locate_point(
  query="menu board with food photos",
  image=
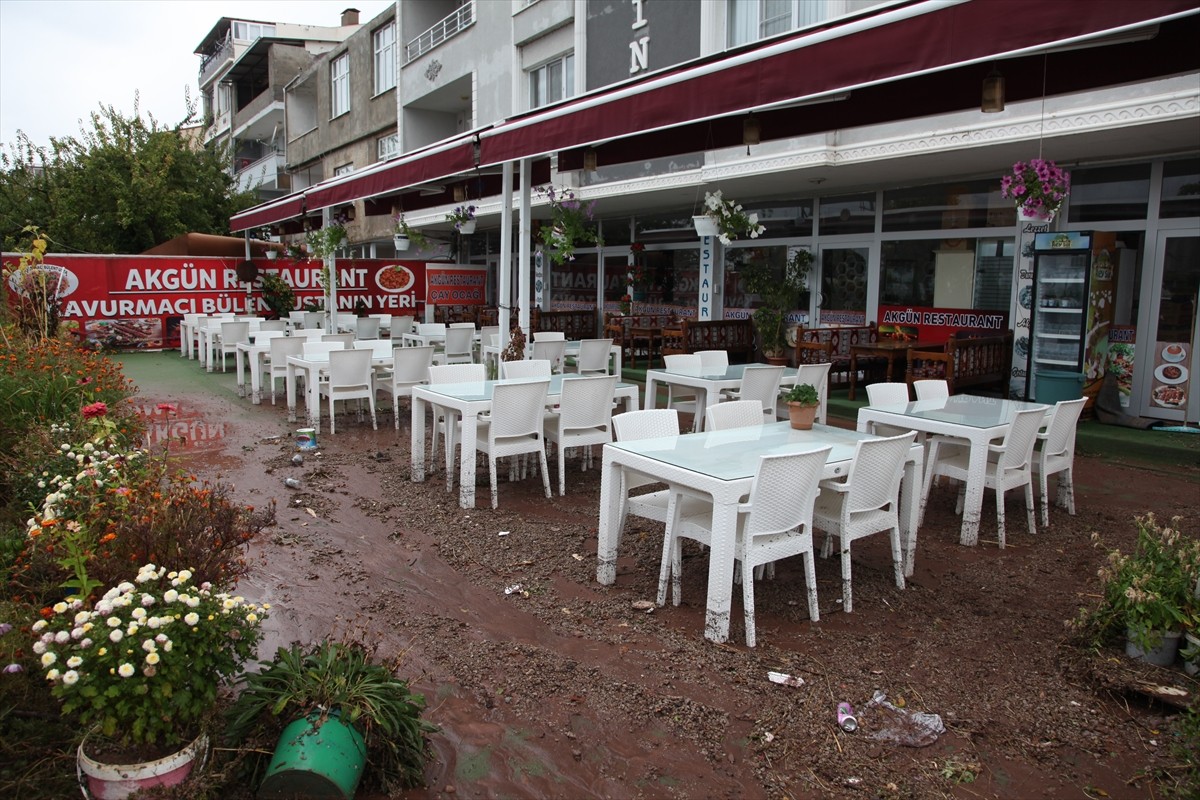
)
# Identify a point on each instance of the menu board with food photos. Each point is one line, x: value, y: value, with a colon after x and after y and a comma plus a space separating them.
x: 1169, y: 387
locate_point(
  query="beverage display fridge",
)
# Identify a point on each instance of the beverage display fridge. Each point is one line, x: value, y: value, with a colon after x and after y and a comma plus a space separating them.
x: 1074, y: 282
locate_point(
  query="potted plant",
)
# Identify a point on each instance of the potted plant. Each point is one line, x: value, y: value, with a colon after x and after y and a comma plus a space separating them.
x: 803, y: 401
x: 338, y: 715
x: 325, y: 241
x: 1038, y: 188
x: 295, y: 251
x: 778, y: 294
x: 407, y: 236
x: 571, y: 222
x: 1147, y: 593
x: 463, y: 218
x: 726, y: 219
x: 141, y: 671
x: 277, y: 294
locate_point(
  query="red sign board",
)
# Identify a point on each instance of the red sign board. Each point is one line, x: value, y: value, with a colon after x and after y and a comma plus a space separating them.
x: 936, y: 325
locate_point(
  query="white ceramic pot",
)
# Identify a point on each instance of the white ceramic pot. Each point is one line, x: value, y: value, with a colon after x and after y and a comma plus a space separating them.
x: 705, y: 226
x: 467, y: 227
x: 117, y: 781
x: 1023, y: 216
x: 401, y: 241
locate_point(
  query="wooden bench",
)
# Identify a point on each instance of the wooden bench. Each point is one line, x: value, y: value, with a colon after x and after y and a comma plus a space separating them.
x: 735, y: 336
x: 969, y: 361
x: 572, y: 324
x: 832, y: 346
x: 639, y: 334
x: 480, y: 315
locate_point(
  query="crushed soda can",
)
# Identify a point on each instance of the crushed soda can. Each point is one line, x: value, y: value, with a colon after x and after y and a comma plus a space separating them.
x: 846, y: 718
x: 291, y: 483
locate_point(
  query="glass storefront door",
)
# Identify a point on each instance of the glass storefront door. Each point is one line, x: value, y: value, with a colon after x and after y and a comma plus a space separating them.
x: 844, y: 285
x: 1168, y: 362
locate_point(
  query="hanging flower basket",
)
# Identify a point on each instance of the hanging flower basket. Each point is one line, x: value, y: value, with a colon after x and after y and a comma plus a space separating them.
x: 705, y: 225
x: 463, y: 218
x: 1038, y: 188
x: 400, y: 241
x: 272, y: 255
x: 571, y: 222
x: 729, y: 220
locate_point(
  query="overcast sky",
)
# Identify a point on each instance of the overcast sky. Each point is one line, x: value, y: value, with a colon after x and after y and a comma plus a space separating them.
x: 61, y: 59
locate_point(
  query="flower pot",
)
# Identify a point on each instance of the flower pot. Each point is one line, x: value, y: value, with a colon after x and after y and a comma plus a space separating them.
x: 114, y: 781
x: 1025, y: 216
x: 1191, y: 649
x: 272, y: 255
x: 315, y: 758
x: 802, y: 417
x: 1161, y: 654
x: 466, y: 227
x: 401, y: 241
x: 705, y: 225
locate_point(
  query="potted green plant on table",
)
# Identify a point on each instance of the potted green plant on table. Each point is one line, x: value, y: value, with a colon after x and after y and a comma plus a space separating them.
x: 778, y: 294
x: 802, y: 401
x: 726, y: 219
x: 571, y: 222
x: 141, y: 671
x: 338, y: 716
x: 1147, y: 594
x: 1038, y: 188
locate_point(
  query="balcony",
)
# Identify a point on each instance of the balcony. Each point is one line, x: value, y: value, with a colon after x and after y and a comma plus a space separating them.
x: 264, y: 175
x: 459, y: 20
x: 213, y: 62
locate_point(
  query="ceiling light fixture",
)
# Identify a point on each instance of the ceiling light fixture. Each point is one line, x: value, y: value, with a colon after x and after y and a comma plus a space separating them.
x: 751, y: 132
x: 992, y: 99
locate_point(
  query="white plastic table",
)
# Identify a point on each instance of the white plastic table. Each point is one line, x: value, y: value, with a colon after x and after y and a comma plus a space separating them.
x: 312, y: 369
x: 491, y: 353
x: 467, y: 401
x: 722, y: 464
x: 979, y: 420
x: 709, y: 384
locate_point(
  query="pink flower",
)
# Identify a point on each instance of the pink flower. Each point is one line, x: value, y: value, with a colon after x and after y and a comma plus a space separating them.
x: 95, y: 410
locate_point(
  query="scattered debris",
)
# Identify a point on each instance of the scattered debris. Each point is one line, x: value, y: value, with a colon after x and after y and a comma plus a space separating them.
x: 643, y: 605
x: 784, y: 679
x: 291, y: 483
x: 298, y: 460
x: 845, y: 717
x: 502, y: 533
x: 899, y: 726
x: 516, y: 587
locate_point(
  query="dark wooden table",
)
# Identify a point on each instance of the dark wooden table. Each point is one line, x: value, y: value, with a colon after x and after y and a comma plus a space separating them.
x: 888, y: 349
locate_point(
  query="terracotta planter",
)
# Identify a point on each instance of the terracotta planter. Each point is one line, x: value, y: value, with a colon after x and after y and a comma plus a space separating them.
x: 801, y: 416
x: 777, y: 361
x: 115, y: 781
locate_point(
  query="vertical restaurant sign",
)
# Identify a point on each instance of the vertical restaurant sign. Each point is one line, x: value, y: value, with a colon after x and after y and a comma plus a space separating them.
x: 455, y: 285
x: 137, y: 302
x: 704, y: 297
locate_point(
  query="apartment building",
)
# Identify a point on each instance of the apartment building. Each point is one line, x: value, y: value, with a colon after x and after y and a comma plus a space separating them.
x: 854, y: 128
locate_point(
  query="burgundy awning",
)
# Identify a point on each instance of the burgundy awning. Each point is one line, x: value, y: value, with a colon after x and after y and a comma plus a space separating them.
x: 430, y: 164
x: 905, y: 42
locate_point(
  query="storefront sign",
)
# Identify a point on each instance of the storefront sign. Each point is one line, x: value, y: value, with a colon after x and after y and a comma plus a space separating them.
x: 455, y: 285
x: 937, y: 324
x: 704, y: 306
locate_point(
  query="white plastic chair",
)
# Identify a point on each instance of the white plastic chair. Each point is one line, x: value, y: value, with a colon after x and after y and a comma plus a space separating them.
x: 760, y: 383
x: 385, y: 322
x: 281, y: 348
x: 583, y: 418
x: 526, y: 368
x: 380, y: 348
x: 400, y: 326
x: 650, y: 423
x: 232, y: 334
x: 366, y: 328
x: 682, y: 398
x: 549, y: 336
x: 931, y: 389
x: 296, y: 318
x: 314, y: 320
x: 514, y: 427
x: 1009, y: 465
x: 713, y: 361
x: 410, y: 367
x: 866, y: 502
x: 774, y: 523
x: 459, y: 347
x: 346, y: 323
x: 320, y: 350
x: 279, y: 325
x: 1055, y: 455
x: 733, y: 414
x: 346, y: 339
x: 552, y: 350
x: 593, y: 356
x: 312, y: 334
x: 350, y: 378
x: 887, y: 394
x: 264, y: 336
x: 445, y: 419
x: 817, y: 376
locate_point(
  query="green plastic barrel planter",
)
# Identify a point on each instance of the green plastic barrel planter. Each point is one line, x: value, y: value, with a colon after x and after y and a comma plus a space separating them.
x: 1055, y: 385
x: 315, y: 759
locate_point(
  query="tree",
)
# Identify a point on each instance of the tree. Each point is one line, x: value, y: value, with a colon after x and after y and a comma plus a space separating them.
x: 123, y: 186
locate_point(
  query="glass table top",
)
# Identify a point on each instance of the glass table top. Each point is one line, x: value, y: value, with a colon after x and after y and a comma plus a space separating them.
x: 962, y: 409
x: 733, y: 372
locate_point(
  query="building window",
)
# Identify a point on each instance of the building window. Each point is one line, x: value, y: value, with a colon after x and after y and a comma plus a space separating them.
x: 1106, y: 193
x: 339, y: 81
x: 552, y: 82
x: 249, y: 31
x: 388, y: 146
x: 344, y: 169
x: 385, y: 58
x: 751, y: 20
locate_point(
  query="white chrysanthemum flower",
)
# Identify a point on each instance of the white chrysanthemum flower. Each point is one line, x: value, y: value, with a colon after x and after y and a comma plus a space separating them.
x: 85, y: 643
x: 148, y: 600
x: 82, y: 617
x: 59, y: 607
x: 149, y: 645
x: 153, y: 658
x: 125, y: 587
x: 185, y: 575
x: 113, y: 622
x: 252, y: 617
x: 153, y: 623
x: 52, y: 675
x: 89, y: 447
x: 161, y: 638
x: 62, y: 637
x: 125, y: 670
x: 132, y: 629
x: 39, y: 647
x: 77, y: 633
x: 70, y: 677
x: 66, y: 448
x: 191, y: 618
x: 192, y: 601
x: 170, y: 596
x: 74, y: 661
x: 167, y: 645
x: 37, y: 626
x: 116, y: 635
x: 48, y: 658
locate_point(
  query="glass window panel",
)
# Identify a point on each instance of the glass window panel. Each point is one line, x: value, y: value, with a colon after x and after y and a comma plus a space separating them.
x: 385, y: 58
x: 843, y: 286
x: 1180, y: 189
x: 1105, y: 193
x: 776, y: 17
x: 743, y: 22
x: 848, y: 214
x: 969, y: 204
x: 339, y: 75
x: 975, y: 273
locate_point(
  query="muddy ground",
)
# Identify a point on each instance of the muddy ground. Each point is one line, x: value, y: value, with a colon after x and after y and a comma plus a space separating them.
x: 564, y: 688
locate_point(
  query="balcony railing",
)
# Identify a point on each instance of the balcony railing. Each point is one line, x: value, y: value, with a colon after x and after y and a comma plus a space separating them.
x: 265, y: 173
x: 461, y: 18
x: 213, y: 61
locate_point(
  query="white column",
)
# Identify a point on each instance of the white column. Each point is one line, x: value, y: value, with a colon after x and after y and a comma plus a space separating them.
x: 525, y: 233
x: 504, y: 290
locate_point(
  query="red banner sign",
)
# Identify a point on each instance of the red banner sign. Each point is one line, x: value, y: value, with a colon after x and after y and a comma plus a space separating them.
x: 936, y: 325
